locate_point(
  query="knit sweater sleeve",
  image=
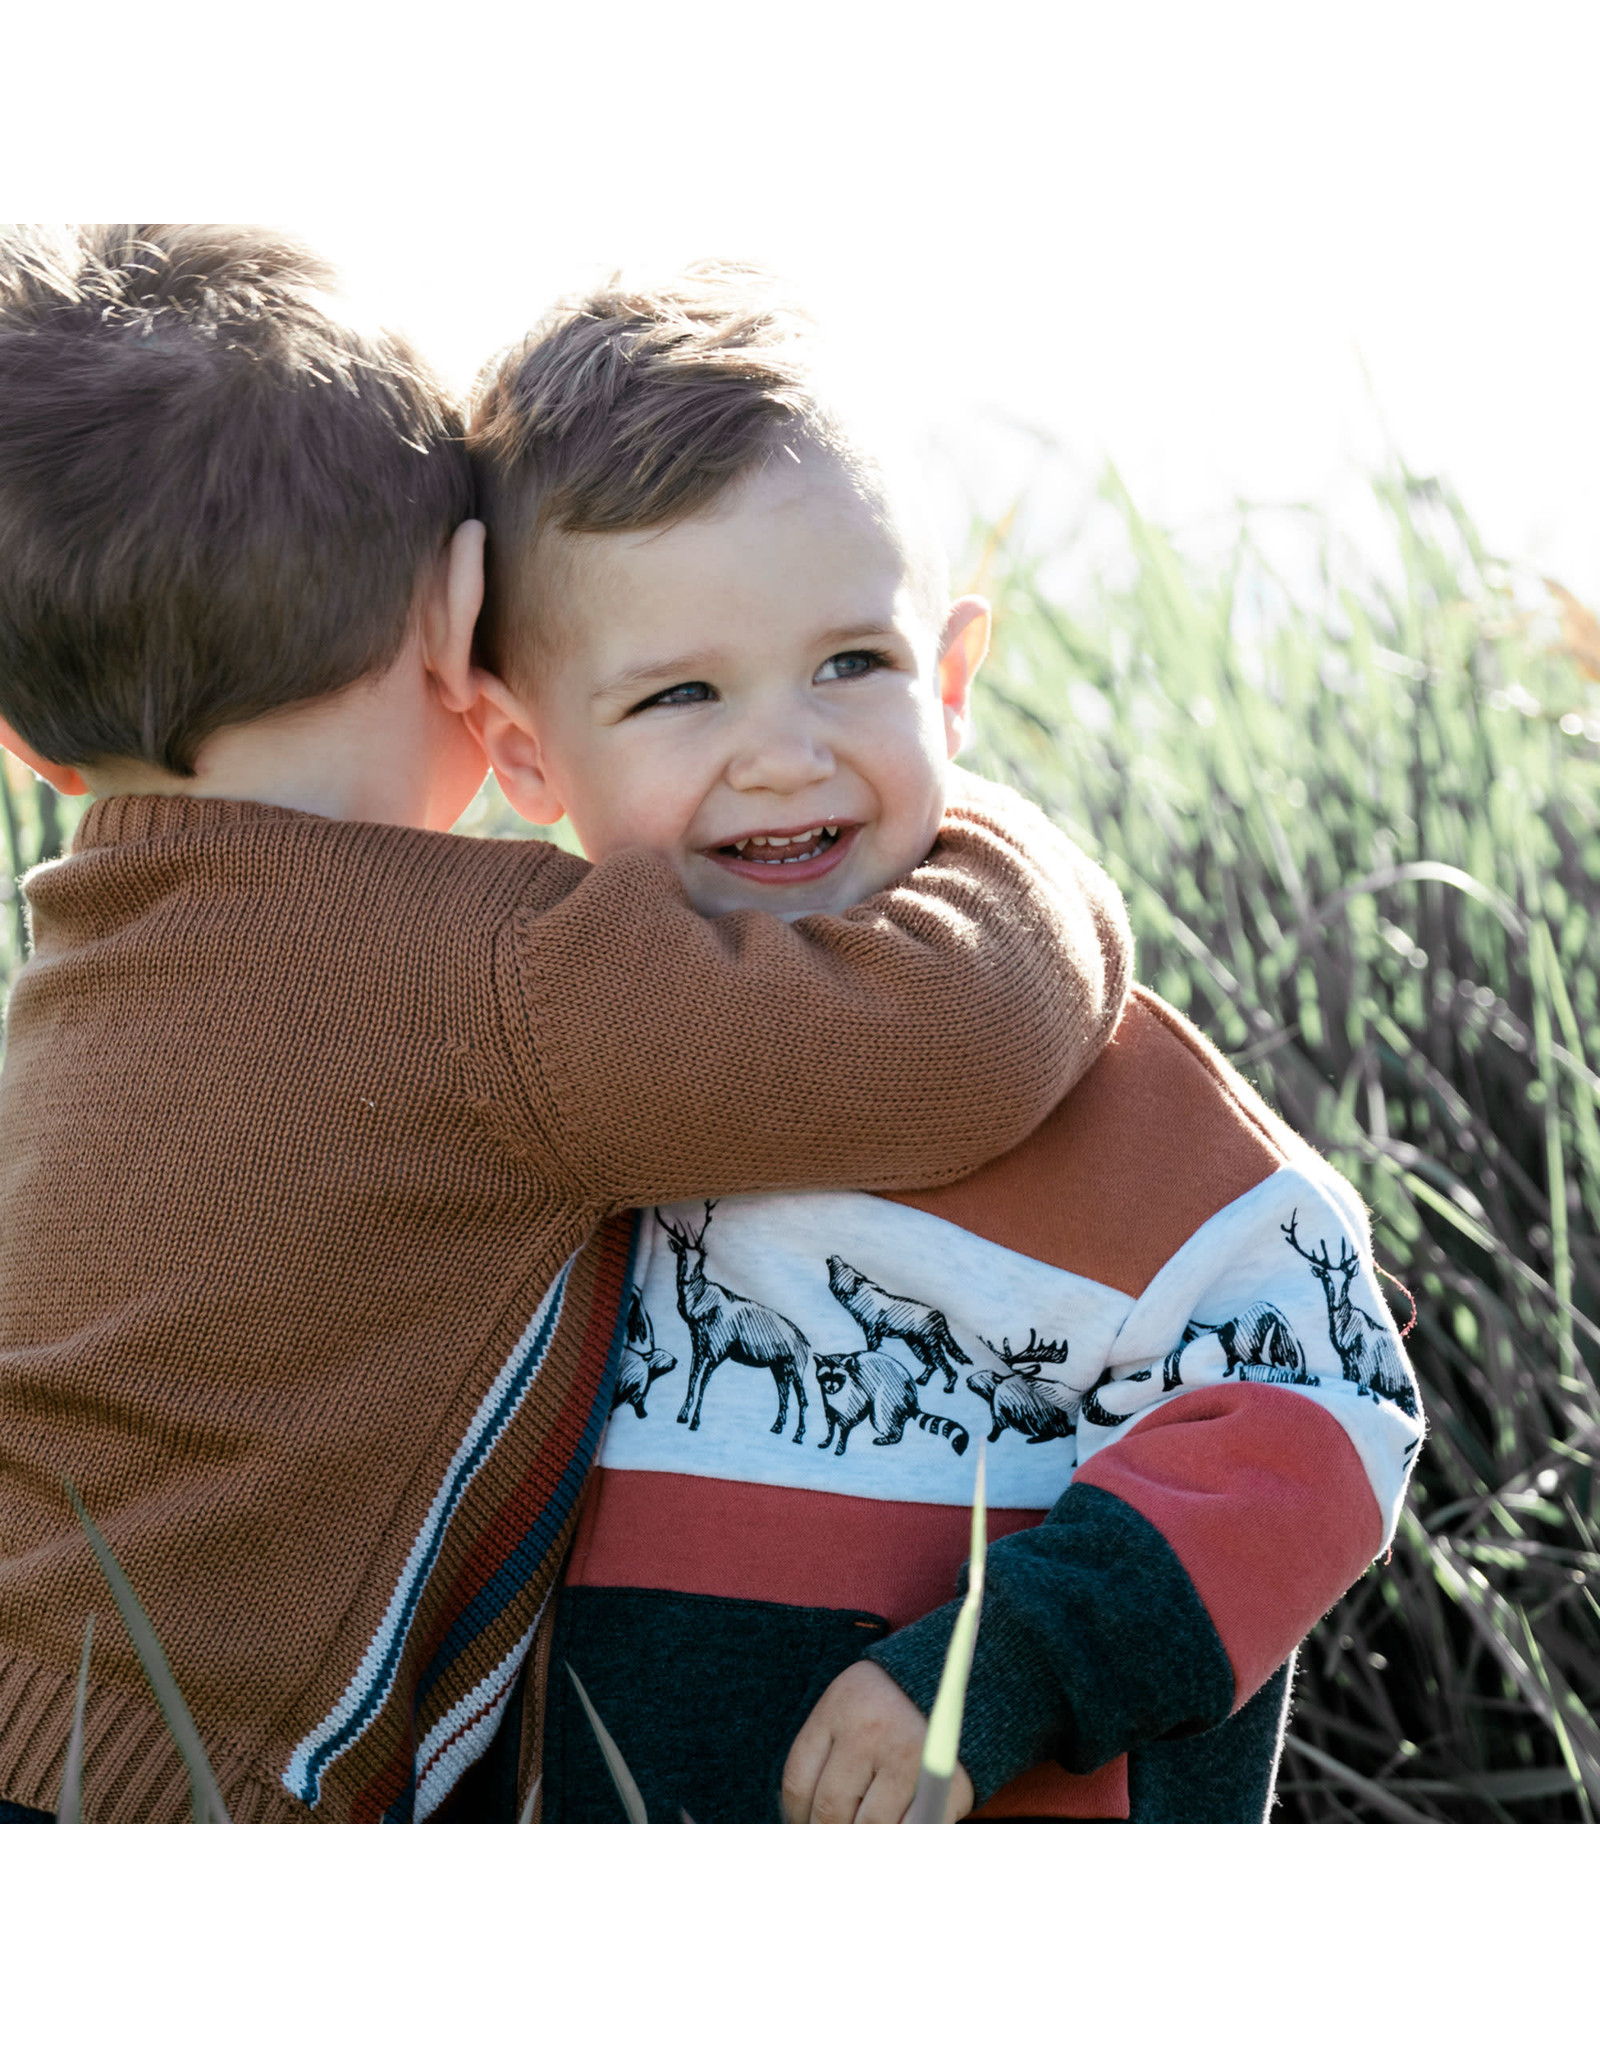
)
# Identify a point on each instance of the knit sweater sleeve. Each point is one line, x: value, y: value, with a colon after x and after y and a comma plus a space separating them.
x: 899, y: 1045
x: 1240, y: 1464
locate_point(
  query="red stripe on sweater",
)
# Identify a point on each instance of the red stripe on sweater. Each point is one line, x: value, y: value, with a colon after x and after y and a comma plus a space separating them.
x: 1265, y: 1504
x: 374, y: 1799
x: 556, y: 1449
x: 679, y: 1534
x: 483, y: 1713
x: 524, y: 1504
x: 1049, y: 1793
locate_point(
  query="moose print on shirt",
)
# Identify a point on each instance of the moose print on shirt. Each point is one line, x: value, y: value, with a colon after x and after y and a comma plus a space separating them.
x: 1021, y: 1398
x: 1028, y: 1390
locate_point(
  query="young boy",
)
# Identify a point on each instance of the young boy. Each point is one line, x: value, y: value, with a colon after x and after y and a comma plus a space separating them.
x: 720, y: 637
x: 310, y: 1111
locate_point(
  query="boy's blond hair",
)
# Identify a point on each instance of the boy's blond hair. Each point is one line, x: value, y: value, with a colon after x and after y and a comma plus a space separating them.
x: 629, y: 408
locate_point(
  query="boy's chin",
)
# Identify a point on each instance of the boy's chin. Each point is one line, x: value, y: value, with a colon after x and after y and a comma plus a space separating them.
x: 788, y: 904
x: 716, y: 891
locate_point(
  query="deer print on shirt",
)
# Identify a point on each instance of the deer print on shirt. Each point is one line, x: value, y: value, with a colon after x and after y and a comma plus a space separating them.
x: 1368, y: 1353
x: 1022, y: 1399
x: 725, y: 1325
x: 922, y: 1330
x: 856, y: 1384
x: 641, y: 1364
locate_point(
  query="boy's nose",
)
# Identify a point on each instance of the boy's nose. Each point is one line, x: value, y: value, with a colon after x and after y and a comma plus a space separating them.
x: 782, y: 758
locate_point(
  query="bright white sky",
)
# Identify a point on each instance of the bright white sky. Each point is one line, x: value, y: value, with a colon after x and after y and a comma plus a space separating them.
x: 1168, y: 234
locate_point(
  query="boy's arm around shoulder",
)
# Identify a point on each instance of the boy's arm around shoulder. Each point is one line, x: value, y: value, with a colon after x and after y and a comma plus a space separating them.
x: 901, y: 1044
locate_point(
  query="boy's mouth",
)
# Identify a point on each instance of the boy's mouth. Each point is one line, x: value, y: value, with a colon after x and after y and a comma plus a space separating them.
x: 785, y: 856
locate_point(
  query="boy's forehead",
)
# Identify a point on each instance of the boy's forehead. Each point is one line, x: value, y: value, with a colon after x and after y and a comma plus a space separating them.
x: 793, y: 548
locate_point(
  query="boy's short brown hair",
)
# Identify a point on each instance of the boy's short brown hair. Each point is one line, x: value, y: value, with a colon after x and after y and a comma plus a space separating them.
x: 216, y: 499
x: 629, y: 408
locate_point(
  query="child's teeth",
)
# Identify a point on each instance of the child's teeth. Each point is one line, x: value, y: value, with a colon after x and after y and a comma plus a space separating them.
x: 807, y: 842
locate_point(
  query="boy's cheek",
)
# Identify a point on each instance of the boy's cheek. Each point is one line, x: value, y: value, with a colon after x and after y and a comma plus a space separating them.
x: 614, y: 807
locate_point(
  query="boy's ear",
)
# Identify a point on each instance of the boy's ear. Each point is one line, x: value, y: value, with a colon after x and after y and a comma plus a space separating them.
x: 67, y: 780
x: 964, y: 643
x: 450, y: 615
x: 495, y: 714
x: 507, y: 734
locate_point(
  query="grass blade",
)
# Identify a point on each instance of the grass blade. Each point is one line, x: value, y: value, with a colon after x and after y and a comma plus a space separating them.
x: 621, y: 1776
x: 205, y: 1796
x: 940, y: 1750
x: 525, y: 1817
x: 1386, y: 1803
x: 70, y: 1808
x: 1511, y: 1640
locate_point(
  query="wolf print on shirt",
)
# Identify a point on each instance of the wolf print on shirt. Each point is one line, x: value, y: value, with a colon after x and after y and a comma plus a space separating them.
x: 856, y: 1384
x: 1257, y: 1344
x: 725, y: 1325
x: 922, y: 1330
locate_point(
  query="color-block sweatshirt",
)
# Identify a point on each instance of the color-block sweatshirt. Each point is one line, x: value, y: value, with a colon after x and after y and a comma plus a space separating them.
x: 306, y: 1129
x: 1161, y: 1314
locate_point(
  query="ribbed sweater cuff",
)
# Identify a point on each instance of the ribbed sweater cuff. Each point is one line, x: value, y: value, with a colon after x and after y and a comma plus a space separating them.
x: 1013, y: 1712
x: 1093, y: 1640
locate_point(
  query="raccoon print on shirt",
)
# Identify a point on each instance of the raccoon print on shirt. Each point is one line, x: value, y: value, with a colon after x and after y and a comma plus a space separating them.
x: 856, y: 1384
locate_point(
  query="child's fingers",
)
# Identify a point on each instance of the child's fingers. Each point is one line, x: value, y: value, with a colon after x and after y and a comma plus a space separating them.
x: 807, y: 1755
x: 845, y: 1777
x: 857, y: 1756
x: 887, y: 1798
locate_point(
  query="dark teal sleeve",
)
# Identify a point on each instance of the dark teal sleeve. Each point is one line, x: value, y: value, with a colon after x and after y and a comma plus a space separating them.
x: 1093, y: 1642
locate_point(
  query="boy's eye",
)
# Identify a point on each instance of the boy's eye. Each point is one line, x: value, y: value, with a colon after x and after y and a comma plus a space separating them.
x: 679, y: 693
x: 859, y: 661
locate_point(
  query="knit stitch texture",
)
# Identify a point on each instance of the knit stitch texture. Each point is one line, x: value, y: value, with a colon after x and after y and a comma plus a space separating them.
x: 302, y: 1127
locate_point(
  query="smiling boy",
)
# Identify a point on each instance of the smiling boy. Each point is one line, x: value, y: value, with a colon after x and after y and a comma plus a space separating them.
x: 716, y: 633
x: 768, y: 692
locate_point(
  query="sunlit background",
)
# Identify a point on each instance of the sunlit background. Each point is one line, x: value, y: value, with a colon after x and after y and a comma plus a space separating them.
x: 1232, y: 248
x: 1297, y: 255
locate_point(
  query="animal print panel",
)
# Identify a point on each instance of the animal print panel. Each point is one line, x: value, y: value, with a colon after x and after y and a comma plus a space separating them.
x: 845, y: 1344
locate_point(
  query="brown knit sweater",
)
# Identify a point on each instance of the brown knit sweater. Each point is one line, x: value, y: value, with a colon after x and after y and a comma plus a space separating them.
x: 299, y: 1122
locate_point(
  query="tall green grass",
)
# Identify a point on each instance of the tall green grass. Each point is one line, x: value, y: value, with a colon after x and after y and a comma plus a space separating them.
x: 206, y: 1804
x: 34, y: 825
x: 941, y: 1748
x: 1353, y: 807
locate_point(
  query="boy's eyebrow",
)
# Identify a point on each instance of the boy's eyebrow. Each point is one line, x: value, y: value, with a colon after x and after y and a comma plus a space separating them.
x: 678, y: 667
x: 674, y: 667
x: 862, y: 629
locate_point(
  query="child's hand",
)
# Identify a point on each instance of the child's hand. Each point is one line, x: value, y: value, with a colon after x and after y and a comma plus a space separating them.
x: 858, y: 1755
